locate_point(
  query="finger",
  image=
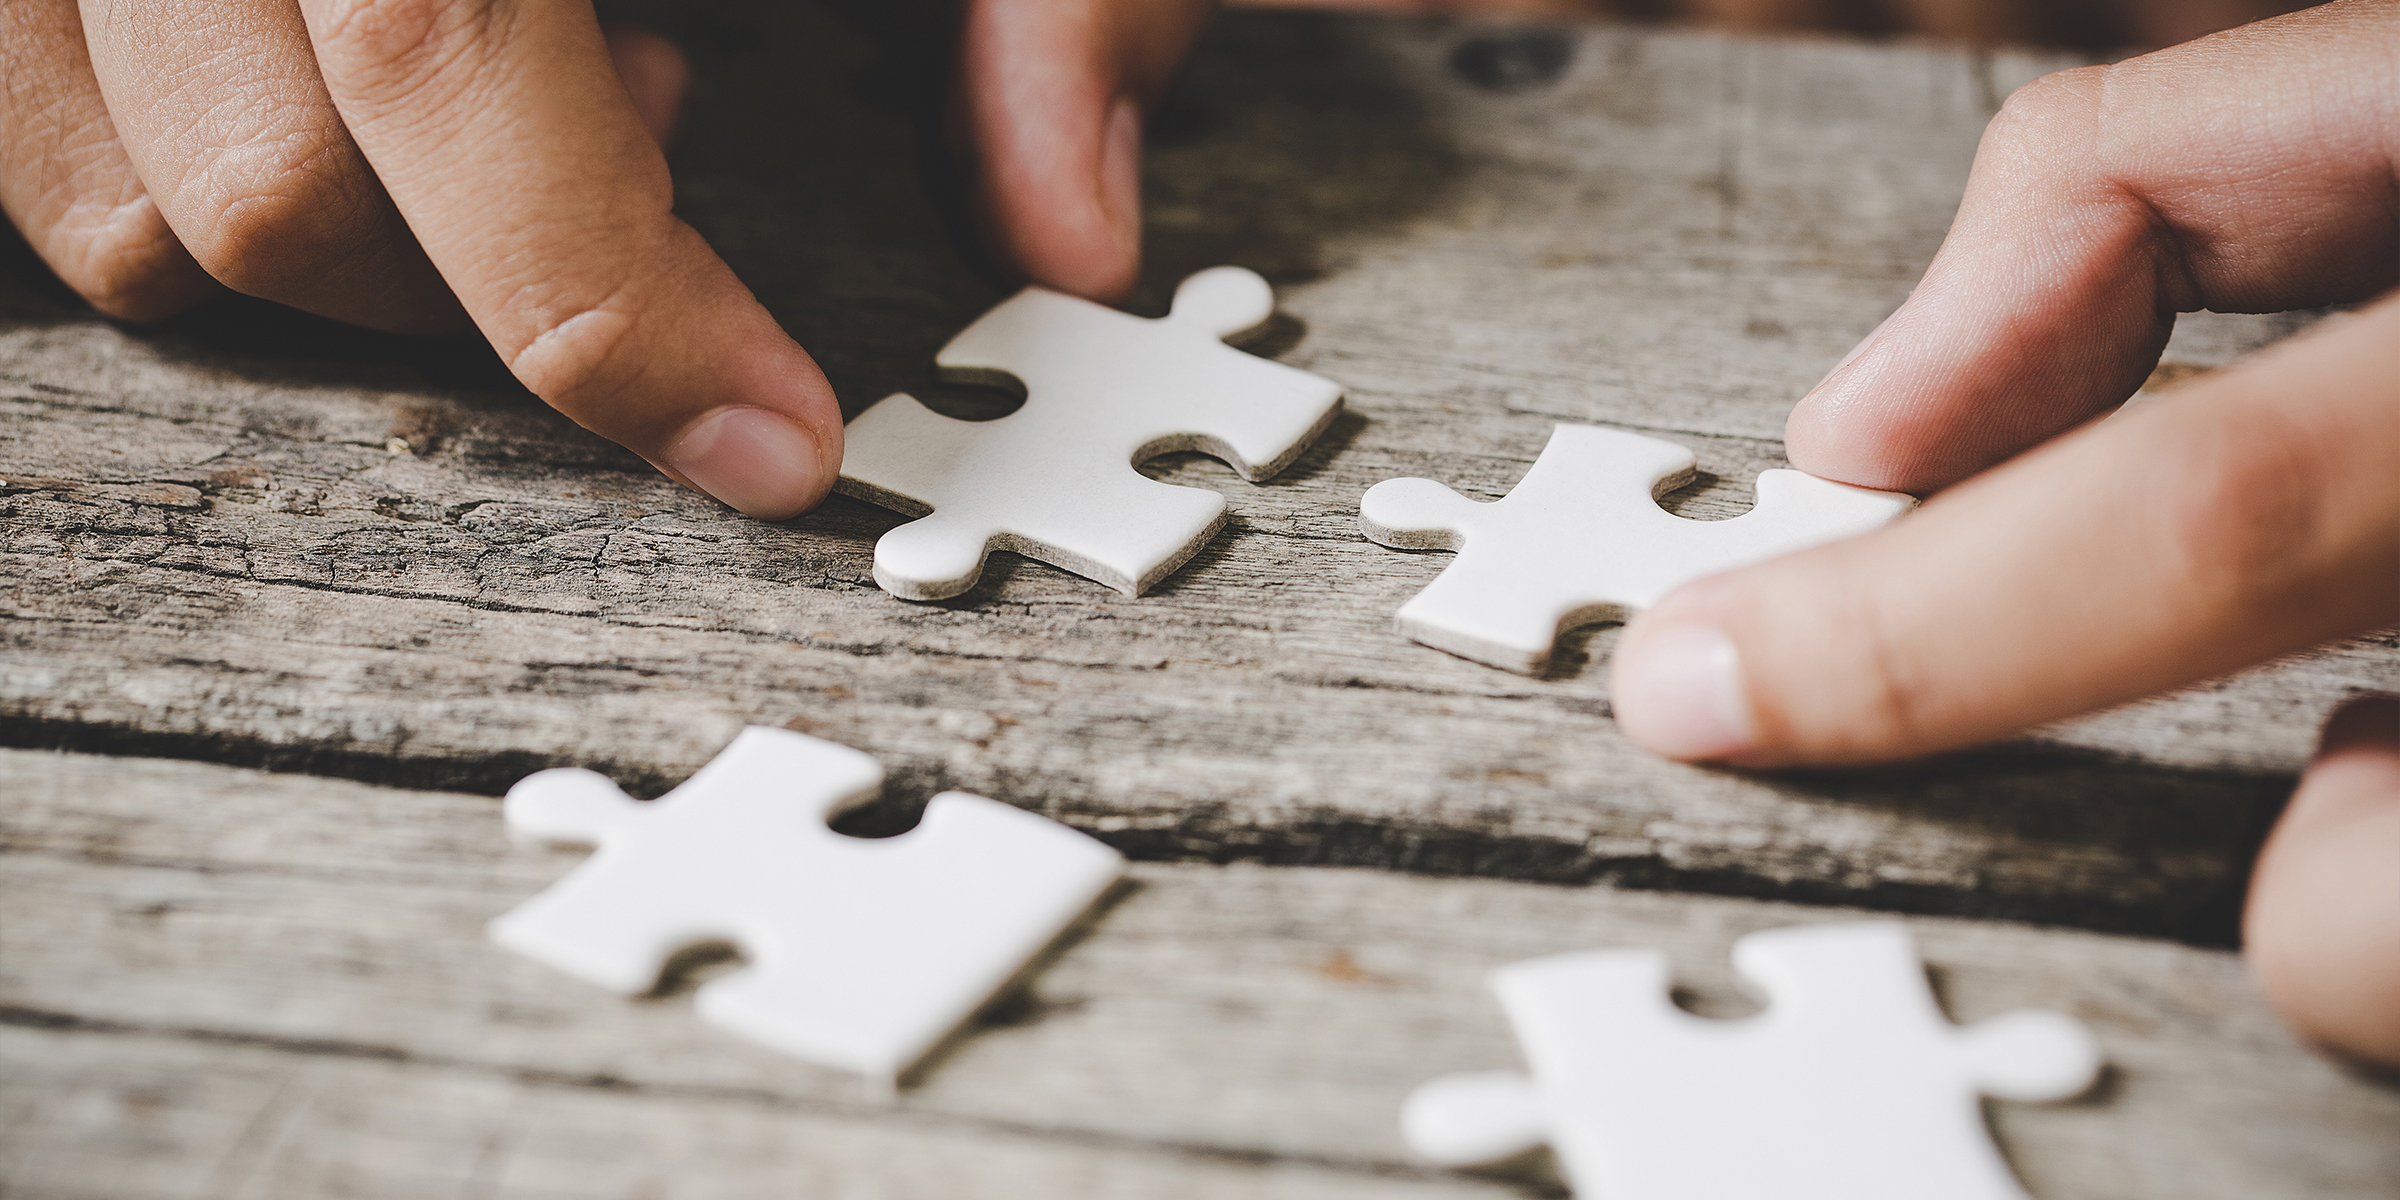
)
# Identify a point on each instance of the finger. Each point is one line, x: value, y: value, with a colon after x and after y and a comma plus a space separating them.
x: 1050, y: 101
x: 2322, y: 930
x: 503, y: 133
x: 65, y: 180
x: 2252, y: 512
x: 2243, y: 173
x: 224, y: 118
x: 657, y: 78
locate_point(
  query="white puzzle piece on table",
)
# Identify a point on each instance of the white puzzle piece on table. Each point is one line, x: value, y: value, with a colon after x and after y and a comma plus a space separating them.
x: 1055, y: 480
x: 1583, y: 533
x: 1851, y: 1085
x: 862, y: 953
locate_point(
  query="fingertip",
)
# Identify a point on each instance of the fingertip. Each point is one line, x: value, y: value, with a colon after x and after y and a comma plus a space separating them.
x: 1867, y: 429
x: 1117, y: 253
x: 2324, y: 909
x: 1864, y: 423
x: 1676, y: 685
x: 1818, y: 439
x: 757, y: 460
x: 1076, y: 228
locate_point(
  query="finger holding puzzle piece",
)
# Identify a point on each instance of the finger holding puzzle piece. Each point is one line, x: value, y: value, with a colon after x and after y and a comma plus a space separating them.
x: 1582, y: 533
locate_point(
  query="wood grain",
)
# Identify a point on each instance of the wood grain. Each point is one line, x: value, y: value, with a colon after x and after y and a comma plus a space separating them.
x: 287, y: 977
x: 251, y: 538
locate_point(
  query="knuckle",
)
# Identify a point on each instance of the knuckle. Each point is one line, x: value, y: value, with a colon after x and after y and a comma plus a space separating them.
x: 391, y: 47
x: 1856, y: 688
x: 127, y: 265
x: 583, y: 341
x: 573, y: 361
x: 2055, y: 109
x: 277, y: 231
x: 2247, y: 516
x: 262, y: 244
x: 1896, y: 706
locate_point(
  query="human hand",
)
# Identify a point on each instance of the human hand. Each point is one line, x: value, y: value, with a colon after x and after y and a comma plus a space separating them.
x: 2250, y: 512
x: 420, y: 165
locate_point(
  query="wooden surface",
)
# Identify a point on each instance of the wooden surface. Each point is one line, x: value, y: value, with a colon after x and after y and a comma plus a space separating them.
x: 278, y: 985
x: 251, y: 539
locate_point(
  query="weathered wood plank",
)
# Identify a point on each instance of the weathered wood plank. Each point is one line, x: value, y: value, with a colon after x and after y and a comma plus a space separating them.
x: 206, y: 959
x: 140, y: 1117
x: 213, y: 552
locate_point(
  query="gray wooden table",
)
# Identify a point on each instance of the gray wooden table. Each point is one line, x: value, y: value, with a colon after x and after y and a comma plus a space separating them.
x: 289, y: 605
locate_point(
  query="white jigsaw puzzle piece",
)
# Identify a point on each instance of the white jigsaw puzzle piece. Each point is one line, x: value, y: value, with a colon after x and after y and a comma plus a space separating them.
x: 1851, y: 1085
x: 1582, y: 534
x: 862, y: 953
x: 1055, y: 480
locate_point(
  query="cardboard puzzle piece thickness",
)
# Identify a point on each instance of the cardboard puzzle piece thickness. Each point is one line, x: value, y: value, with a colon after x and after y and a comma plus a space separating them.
x: 1851, y: 1085
x: 1582, y: 534
x: 1055, y: 480
x: 863, y: 953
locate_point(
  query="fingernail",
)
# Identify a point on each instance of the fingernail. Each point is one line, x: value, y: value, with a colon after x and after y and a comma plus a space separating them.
x: 760, y: 462
x: 1679, y: 692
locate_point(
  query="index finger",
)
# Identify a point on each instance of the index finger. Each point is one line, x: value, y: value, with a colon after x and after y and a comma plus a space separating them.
x: 2255, y: 513
x: 502, y: 132
x: 2247, y: 172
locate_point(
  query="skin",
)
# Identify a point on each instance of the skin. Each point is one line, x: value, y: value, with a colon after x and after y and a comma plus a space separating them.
x: 427, y: 166
x: 2065, y: 562
x: 430, y: 165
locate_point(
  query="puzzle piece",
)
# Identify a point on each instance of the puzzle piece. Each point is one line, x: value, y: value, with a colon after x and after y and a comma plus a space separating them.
x: 1582, y: 533
x: 1851, y: 1085
x: 863, y: 953
x: 1055, y: 480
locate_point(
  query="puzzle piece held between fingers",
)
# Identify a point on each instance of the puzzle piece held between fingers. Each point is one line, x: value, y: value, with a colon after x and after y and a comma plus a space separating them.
x: 1851, y: 1085
x: 863, y: 953
x: 1582, y: 533
x: 1055, y: 480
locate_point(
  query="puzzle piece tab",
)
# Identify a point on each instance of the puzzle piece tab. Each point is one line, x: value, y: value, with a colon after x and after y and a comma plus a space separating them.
x: 1055, y: 480
x: 863, y: 953
x: 1582, y: 533
x: 1850, y: 1085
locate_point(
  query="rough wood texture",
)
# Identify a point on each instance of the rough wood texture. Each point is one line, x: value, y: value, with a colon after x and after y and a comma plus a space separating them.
x: 224, y: 983
x: 255, y: 539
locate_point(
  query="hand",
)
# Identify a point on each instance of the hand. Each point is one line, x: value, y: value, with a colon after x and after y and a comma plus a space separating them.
x: 2250, y: 512
x: 1048, y: 109
x: 420, y: 165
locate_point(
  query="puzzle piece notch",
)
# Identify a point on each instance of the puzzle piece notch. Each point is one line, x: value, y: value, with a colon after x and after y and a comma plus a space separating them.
x: 1582, y: 535
x: 863, y: 954
x: 1850, y: 1084
x: 1055, y: 480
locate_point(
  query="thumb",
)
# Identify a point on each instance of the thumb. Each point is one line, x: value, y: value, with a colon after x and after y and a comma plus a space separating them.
x: 2250, y: 513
